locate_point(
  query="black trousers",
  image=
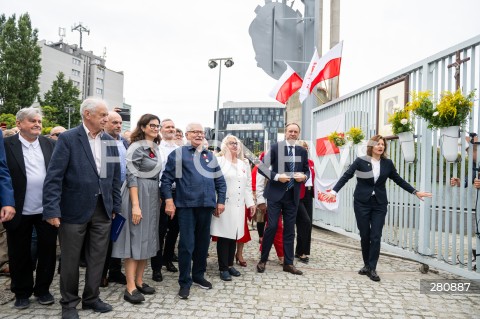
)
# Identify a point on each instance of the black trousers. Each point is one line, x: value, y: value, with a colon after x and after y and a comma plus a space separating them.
x: 112, y: 265
x: 226, y: 252
x: 304, y: 224
x: 288, y: 208
x: 96, y: 234
x: 20, y: 259
x: 167, y: 237
x: 370, y: 220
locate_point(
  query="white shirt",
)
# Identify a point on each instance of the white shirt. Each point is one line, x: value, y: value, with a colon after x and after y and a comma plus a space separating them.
x: 96, y: 147
x: 36, y: 172
x: 375, y: 170
x: 287, y: 157
x: 166, y: 147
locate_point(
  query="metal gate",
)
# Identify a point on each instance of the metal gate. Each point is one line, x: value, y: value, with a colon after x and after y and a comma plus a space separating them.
x: 439, y: 231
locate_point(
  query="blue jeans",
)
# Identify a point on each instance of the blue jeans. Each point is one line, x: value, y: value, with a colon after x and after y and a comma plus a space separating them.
x: 194, y: 224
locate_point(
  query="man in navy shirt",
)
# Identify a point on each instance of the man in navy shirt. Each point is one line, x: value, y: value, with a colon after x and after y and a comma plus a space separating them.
x: 200, y: 192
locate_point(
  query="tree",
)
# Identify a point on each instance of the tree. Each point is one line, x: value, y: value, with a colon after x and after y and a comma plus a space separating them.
x: 8, y: 119
x: 62, y: 95
x: 19, y: 63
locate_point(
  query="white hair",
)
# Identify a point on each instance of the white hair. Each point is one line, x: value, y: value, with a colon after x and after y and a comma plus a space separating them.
x: 90, y: 104
x: 28, y: 112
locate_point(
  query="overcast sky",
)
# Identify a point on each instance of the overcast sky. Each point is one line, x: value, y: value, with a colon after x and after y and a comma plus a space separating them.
x: 163, y: 47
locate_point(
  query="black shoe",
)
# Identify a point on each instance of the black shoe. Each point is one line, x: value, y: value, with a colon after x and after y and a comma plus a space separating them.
x: 225, y: 275
x: 184, y: 292
x: 364, y: 271
x: 97, y: 306
x: 104, y: 282
x: 145, y: 289
x: 373, y: 275
x: 170, y: 266
x: 46, y: 299
x: 261, y: 267
x: 69, y: 313
x: 157, y: 276
x: 203, y: 283
x: 175, y: 258
x: 304, y: 260
x: 22, y: 303
x: 134, y: 297
x: 117, y: 277
x: 234, y: 272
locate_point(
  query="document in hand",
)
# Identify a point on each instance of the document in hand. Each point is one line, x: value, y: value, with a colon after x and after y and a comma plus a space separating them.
x: 117, y: 225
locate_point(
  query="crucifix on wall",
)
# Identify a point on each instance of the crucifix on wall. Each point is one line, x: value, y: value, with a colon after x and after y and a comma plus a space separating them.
x: 457, y: 64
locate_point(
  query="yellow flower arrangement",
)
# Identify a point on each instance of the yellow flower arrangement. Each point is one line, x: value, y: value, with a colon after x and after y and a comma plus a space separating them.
x: 452, y: 109
x: 401, y: 121
x: 337, y: 138
x: 355, y: 134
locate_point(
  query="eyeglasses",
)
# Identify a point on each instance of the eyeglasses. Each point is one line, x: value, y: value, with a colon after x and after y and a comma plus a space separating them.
x: 55, y: 134
x: 197, y: 132
x: 154, y: 126
x: 233, y: 143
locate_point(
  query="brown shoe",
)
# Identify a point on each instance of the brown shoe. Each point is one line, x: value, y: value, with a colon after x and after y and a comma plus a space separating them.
x: 261, y: 267
x: 291, y: 269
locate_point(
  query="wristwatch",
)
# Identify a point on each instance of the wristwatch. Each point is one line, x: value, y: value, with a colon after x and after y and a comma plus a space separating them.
x: 414, y: 192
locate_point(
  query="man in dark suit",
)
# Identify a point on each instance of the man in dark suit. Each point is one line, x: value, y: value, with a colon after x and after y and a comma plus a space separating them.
x: 81, y: 193
x: 7, y: 202
x: 285, y: 166
x: 28, y: 155
x: 7, y: 206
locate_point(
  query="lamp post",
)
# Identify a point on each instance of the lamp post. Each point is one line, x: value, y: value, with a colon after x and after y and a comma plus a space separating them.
x: 69, y: 109
x: 212, y: 63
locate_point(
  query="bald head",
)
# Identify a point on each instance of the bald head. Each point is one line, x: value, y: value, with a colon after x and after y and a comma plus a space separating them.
x: 114, y: 125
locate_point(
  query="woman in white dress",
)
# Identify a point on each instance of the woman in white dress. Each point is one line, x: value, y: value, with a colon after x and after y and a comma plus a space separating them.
x: 229, y: 226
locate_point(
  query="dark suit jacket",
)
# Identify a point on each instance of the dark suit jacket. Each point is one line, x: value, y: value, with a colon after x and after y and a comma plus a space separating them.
x: 277, y: 158
x: 72, y: 184
x: 16, y: 165
x: 6, y: 190
x: 362, y: 167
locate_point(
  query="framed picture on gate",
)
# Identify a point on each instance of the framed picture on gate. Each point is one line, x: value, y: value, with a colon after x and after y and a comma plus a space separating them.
x: 390, y: 96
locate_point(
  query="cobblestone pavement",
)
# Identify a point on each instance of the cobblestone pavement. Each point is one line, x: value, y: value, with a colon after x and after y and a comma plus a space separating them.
x: 329, y: 288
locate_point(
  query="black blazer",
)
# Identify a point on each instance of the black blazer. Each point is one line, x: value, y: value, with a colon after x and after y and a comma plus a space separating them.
x: 277, y: 159
x: 16, y: 165
x: 362, y: 167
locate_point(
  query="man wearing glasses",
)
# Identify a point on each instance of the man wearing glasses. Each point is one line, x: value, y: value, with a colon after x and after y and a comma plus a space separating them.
x: 56, y: 131
x: 200, y: 192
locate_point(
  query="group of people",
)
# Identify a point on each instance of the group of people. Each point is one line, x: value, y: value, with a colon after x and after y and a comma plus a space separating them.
x: 75, y: 185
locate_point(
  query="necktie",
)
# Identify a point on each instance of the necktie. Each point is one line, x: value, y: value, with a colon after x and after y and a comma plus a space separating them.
x: 291, y: 167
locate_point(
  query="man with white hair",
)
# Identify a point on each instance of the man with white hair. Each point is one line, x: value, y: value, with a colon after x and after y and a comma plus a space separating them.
x: 56, y: 131
x: 200, y: 191
x: 81, y: 194
x: 28, y: 155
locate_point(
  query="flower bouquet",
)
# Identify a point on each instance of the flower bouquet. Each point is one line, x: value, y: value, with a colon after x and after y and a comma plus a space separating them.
x: 402, y: 126
x: 449, y: 115
x: 337, y: 138
x: 355, y: 135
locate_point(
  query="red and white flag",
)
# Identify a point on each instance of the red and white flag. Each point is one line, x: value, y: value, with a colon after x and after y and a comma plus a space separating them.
x: 288, y: 84
x: 321, y: 69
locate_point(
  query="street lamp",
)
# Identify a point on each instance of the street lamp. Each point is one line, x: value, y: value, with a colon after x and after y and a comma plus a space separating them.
x: 212, y: 63
x: 69, y: 109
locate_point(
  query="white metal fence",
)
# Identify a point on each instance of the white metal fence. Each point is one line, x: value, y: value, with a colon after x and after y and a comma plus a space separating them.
x: 439, y: 231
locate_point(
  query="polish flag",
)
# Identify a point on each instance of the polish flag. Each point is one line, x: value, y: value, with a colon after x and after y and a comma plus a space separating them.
x: 321, y: 69
x: 288, y: 84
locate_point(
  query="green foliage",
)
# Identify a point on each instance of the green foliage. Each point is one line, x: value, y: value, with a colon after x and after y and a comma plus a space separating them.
x: 355, y: 134
x: 452, y: 109
x: 9, y: 119
x: 19, y: 63
x: 401, y: 121
x: 61, y: 95
x: 337, y: 138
